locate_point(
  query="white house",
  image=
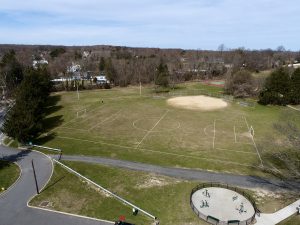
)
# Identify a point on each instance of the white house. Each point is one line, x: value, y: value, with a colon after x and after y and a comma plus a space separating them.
x: 102, y: 80
x: 74, y: 68
x: 295, y: 65
x: 36, y: 63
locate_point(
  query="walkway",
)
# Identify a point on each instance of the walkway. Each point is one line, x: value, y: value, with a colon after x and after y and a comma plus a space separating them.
x: 191, y: 174
x: 277, y: 217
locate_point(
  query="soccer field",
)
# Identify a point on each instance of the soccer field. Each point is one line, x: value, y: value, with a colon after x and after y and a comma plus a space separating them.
x: 119, y: 123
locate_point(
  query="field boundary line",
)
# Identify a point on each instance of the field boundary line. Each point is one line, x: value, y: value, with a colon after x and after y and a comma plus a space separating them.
x: 254, y: 144
x: 234, y: 134
x: 103, y: 121
x: 93, y: 115
x: 214, y: 137
x: 149, y: 131
x: 70, y: 128
x: 291, y: 107
x: 223, y: 149
x: 160, y: 152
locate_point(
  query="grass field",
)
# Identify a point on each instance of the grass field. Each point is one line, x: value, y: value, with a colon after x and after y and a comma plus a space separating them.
x: 9, y: 173
x: 153, y: 193
x: 145, y: 129
x: 167, y: 198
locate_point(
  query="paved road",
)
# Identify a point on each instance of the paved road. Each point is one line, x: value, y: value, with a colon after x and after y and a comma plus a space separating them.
x: 13, y: 203
x: 190, y: 174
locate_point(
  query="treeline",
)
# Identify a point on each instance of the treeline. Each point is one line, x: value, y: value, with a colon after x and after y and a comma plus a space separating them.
x: 30, y: 90
x: 134, y: 65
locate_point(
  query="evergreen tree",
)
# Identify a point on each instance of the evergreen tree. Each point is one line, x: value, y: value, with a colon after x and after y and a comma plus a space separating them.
x: 277, y: 88
x: 295, y: 87
x: 102, y: 64
x: 162, y: 75
x: 11, y: 71
x: 23, y: 122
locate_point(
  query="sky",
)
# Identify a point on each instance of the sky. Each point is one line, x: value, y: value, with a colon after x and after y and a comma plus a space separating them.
x: 187, y: 24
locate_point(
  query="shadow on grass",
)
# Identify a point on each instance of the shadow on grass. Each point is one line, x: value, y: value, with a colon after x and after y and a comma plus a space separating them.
x: 54, y: 183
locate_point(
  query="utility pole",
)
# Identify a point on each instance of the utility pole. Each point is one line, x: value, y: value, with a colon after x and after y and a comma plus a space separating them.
x: 77, y: 92
x: 140, y: 88
x: 36, y: 184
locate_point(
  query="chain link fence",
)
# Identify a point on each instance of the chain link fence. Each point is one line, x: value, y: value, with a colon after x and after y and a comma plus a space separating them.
x: 211, y: 219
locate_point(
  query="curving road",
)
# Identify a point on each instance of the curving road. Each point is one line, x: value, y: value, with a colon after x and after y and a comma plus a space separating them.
x: 13, y: 203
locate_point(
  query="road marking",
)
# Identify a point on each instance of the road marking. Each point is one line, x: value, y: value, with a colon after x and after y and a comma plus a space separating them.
x: 163, y: 116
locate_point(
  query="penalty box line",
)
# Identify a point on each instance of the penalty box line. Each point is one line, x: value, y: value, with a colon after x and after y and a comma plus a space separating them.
x: 106, y: 119
x: 161, y: 118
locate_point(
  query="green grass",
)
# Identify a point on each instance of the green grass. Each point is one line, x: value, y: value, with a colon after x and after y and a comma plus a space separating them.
x: 166, y: 198
x: 9, y: 173
x: 293, y: 220
x: 119, y: 128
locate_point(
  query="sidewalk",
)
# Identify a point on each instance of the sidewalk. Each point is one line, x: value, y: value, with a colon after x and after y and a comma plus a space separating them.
x: 277, y: 217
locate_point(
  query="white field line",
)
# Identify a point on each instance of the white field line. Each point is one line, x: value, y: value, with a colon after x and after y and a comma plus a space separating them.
x: 254, y: 144
x: 9, y: 143
x: 214, y: 137
x: 105, y: 190
x: 159, y: 152
x: 70, y: 128
x: 103, y: 121
x: 293, y: 108
x: 247, y: 124
x: 152, y: 128
x: 92, y: 116
x: 223, y: 149
x: 234, y: 134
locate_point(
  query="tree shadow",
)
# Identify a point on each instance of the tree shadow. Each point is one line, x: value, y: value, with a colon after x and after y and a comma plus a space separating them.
x: 15, y: 157
x: 54, y: 183
x: 44, y: 138
x: 50, y: 123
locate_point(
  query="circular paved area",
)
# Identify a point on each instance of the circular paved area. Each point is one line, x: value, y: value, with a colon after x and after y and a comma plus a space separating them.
x: 222, y: 204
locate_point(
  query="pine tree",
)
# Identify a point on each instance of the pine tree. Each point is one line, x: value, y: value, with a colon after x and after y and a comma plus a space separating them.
x: 295, y: 87
x: 24, y: 120
x: 277, y: 89
x: 162, y: 75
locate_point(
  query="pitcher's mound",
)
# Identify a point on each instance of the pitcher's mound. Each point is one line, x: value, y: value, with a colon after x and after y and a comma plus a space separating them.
x: 200, y: 102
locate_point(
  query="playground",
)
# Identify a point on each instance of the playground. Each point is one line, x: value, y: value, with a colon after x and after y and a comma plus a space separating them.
x: 222, y: 206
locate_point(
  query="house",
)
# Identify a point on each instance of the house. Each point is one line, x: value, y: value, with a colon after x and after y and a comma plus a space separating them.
x: 74, y: 68
x: 102, y: 80
x: 37, y: 63
x: 295, y: 65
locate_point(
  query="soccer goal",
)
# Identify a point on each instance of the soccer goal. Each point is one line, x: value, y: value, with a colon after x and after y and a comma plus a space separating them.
x: 81, y: 113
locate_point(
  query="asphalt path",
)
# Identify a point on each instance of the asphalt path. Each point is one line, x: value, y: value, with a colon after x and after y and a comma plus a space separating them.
x: 191, y: 174
x: 13, y: 202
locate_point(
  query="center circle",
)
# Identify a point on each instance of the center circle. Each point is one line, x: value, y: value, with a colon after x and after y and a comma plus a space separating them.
x: 146, y: 124
x: 222, y: 206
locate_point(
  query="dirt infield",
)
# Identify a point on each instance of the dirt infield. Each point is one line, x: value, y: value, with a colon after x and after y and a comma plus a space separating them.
x: 203, y: 103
